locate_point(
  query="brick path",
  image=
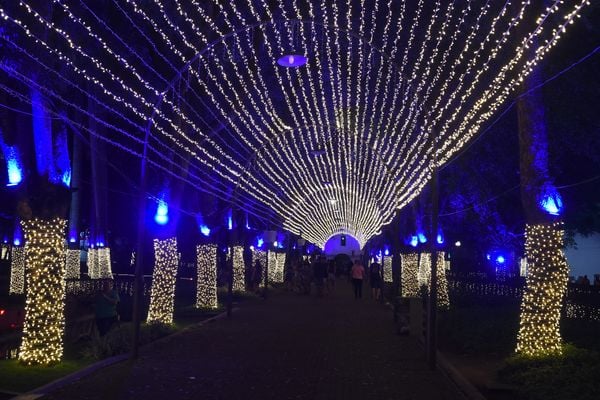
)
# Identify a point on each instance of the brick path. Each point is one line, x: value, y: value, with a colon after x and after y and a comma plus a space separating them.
x: 289, y: 347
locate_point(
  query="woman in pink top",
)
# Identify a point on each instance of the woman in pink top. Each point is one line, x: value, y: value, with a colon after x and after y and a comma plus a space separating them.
x: 358, y: 274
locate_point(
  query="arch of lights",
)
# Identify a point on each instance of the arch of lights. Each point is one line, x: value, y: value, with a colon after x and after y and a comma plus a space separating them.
x: 390, y: 90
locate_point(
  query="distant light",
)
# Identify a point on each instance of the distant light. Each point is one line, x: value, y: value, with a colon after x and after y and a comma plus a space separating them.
x: 205, y: 230
x: 332, y: 201
x: 317, y: 152
x: 275, y: 243
x: 73, y: 240
x: 440, y: 238
x: 458, y: 243
x: 488, y: 257
x: 292, y: 60
x: 414, y: 241
x: 386, y: 251
x: 422, y: 238
x: 500, y: 259
x: 326, y: 183
x: 17, y: 242
x: 251, y: 248
x: 162, y: 213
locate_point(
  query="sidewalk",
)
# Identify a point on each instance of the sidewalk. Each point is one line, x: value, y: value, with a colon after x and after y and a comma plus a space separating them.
x: 289, y: 347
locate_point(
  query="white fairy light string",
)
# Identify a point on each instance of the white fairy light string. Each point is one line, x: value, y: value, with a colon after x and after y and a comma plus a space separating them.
x: 239, y: 269
x: 335, y: 146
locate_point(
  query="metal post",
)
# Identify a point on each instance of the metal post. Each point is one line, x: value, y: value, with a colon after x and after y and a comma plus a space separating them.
x: 138, y: 286
x: 433, y: 287
x: 266, y: 272
x: 230, y: 281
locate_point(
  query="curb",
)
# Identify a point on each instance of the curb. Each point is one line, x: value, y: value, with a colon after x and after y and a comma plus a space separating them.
x: 90, y: 369
x: 465, y: 388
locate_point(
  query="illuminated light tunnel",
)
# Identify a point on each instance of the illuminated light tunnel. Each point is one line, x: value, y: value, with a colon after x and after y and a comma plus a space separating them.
x: 335, y: 144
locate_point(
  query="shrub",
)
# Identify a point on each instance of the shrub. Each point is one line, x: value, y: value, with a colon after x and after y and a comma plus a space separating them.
x: 570, y: 375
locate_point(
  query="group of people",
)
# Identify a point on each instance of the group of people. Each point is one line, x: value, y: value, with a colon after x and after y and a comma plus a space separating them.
x: 358, y: 275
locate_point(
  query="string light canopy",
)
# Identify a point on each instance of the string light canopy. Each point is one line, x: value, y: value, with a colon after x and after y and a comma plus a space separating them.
x: 392, y: 89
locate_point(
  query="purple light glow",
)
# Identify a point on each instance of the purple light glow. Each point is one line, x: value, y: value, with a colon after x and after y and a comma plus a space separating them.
x: 292, y: 60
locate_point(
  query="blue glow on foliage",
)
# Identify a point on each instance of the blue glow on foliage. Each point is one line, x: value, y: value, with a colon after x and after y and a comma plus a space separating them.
x: 162, y: 213
x: 551, y: 201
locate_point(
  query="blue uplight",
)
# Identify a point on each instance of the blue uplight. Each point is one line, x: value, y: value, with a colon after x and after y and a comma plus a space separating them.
x: 259, y: 242
x: 205, y: 230
x: 488, y: 257
x: 17, y: 242
x: 276, y: 244
x: 422, y: 238
x: 386, y: 250
x: 13, y: 164
x: 551, y: 201
x: 500, y: 259
x: 162, y: 213
x: 229, y: 220
x: 414, y: 241
x: 292, y: 60
x: 72, y: 240
x: 440, y: 238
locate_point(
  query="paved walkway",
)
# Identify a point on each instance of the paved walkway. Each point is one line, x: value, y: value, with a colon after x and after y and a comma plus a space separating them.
x: 289, y: 347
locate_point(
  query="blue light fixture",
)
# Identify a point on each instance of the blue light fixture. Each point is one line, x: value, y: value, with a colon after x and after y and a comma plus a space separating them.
x: 17, y: 242
x: 72, y: 240
x: 422, y: 237
x: 551, y: 201
x: 386, y: 251
x: 500, y: 259
x: 259, y: 242
x: 229, y: 220
x: 488, y: 257
x: 414, y: 241
x: 292, y: 60
x: 162, y: 213
x: 13, y: 164
x: 205, y: 230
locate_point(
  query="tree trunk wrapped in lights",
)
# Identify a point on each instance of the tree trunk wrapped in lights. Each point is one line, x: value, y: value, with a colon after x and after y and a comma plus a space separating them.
x: 279, y: 275
x: 409, y: 276
x: 17, y: 271
x: 72, y: 264
x: 206, y: 289
x: 44, y: 309
x: 387, y: 269
x: 547, y: 269
x: 239, y: 269
x: 547, y: 278
x: 162, y: 295
x: 424, y: 277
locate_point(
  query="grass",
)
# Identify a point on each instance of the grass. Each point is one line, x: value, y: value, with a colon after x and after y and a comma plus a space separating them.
x: 479, y: 329
x: 19, y: 378
x: 570, y: 375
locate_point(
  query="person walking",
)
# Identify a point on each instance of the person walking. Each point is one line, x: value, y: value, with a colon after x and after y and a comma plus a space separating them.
x: 331, y: 277
x: 358, y: 274
x: 375, y: 278
x: 320, y: 274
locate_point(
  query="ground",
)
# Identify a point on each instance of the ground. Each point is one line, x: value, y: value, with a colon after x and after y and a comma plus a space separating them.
x: 287, y: 347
